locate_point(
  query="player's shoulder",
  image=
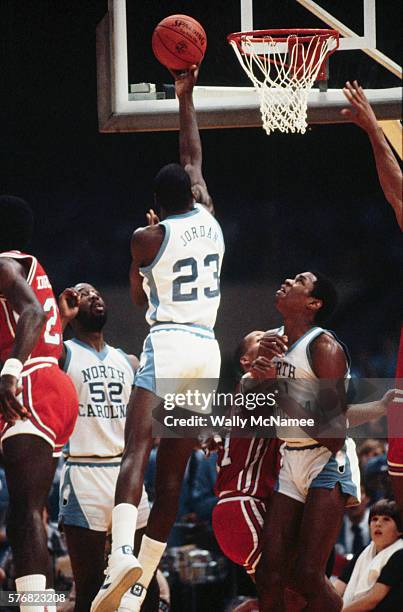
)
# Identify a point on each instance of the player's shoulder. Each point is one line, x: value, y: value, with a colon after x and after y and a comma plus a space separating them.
x: 144, y: 237
x: 326, y: 340
x: 10, y: 267
x: 328, y: 355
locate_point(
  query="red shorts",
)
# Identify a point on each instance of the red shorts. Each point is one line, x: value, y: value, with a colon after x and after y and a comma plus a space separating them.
x: 241, y: 544
x: 395, y: 426
x: 51, y: 398
x: 395, y: 420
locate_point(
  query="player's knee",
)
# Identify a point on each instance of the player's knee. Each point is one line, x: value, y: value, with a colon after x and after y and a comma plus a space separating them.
x: 24, y: 512
x: 22, y: 520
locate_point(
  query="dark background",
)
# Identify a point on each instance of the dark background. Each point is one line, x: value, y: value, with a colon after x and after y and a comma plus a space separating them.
x: 287, y: 203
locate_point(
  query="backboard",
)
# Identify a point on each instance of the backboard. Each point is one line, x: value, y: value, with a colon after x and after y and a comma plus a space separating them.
x: 369, y: 50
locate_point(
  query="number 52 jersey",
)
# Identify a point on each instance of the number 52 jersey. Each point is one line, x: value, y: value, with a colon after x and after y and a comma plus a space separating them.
x: 103, y: 381
x: 183, y: 282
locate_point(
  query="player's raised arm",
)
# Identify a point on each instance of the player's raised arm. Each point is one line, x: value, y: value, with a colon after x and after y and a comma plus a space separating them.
x: 69, y: 303
x: 189, y: 138
x: 389, y: 172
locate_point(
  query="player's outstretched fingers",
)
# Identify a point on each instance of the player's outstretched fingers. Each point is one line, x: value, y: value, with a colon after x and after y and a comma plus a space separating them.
x: 152, y: 217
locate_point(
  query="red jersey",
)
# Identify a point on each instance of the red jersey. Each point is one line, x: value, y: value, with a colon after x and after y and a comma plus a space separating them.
x: 49, y: 345
x: 248, y: 466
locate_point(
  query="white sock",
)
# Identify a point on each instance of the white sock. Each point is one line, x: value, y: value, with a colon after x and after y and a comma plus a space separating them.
x: 150, y: 555
x: 33, y: 582
x: 124, y: 519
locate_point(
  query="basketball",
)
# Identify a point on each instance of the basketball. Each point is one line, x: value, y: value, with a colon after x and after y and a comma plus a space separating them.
x: 179, y: 41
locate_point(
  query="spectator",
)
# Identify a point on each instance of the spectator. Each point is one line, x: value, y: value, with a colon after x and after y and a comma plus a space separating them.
x: 368, y: 449
x: 354, y: 535
x: 376, y: 481
x: 374, y: 580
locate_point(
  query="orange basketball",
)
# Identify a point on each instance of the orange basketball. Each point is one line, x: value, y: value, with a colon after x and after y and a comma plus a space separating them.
x: 179, y: 41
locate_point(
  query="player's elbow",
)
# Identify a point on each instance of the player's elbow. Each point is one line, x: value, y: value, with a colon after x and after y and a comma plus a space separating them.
x: 35, y: 314
x: 39, y: 314
x: 36, y: 311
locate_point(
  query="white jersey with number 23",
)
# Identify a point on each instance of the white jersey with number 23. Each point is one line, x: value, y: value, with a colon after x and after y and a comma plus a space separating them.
x: 183, y: 282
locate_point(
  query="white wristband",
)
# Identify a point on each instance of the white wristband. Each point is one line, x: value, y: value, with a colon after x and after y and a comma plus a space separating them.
x: 12, y: 367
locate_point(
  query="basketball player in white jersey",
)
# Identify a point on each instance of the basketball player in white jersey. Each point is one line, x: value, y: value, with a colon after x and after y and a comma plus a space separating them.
x: 176, y: 266
x: 103, y: 377
x: 318, y: 477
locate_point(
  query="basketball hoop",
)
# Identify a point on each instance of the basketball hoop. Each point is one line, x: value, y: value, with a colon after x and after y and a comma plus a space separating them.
x: 283, y: 65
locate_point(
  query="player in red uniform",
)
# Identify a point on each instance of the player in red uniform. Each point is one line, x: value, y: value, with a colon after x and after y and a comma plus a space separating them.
x: 38, y: 402
x: 395, y: 432
x: 248, y: 469
x: 391, y: 180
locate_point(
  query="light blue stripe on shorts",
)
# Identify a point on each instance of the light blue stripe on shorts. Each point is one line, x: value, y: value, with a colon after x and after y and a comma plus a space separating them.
x: 70, y: 511
x: 335, y: 472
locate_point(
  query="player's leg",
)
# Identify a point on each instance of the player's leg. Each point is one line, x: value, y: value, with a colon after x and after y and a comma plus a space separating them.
x: 129, y: 600
x: 30, y: 468
x: 87, y: 554
x: 280, y: 536
x: 172, y: 457
x: 395, y: 433
x: 138, y: 444
x: 321, y: 524
x: 397, y: 485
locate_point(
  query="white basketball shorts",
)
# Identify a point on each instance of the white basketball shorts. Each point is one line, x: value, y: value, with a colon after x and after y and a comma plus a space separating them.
x: 87, y: 494
x: 180, y: 358
x: 314, y: 466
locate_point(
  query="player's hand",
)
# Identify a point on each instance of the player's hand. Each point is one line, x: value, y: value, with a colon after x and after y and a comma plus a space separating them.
x: 273, y: 345
x: 360, y: 111
x: 152, y: 217
x: 185, y: 80
x: 389, y: 397
x: 262, y: 368
x: 10, y: 409
x: 69, y: 303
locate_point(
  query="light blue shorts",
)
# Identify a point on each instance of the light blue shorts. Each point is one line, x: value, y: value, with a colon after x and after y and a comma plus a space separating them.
x: 314, y: 466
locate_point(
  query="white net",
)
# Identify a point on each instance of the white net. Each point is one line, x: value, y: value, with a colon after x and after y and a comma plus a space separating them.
x: 282, y: 74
